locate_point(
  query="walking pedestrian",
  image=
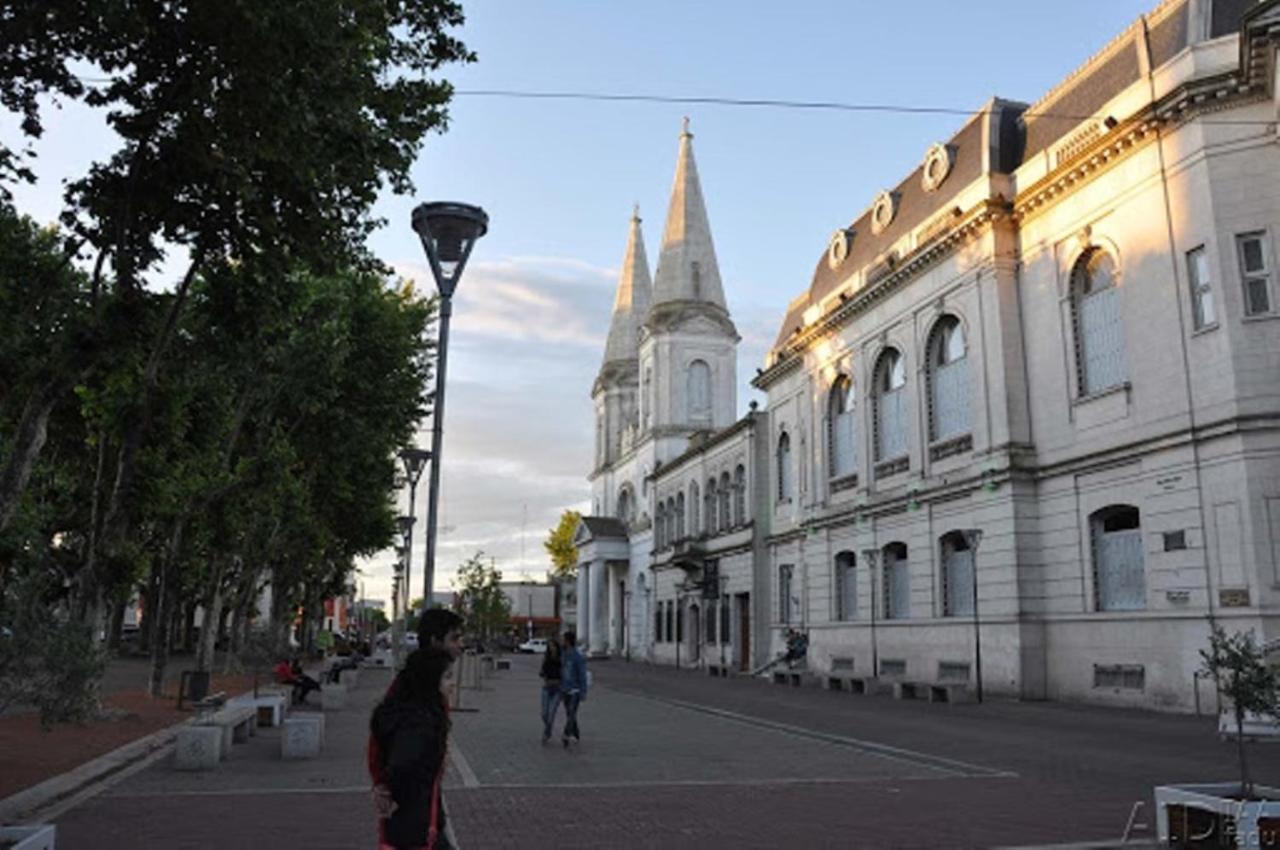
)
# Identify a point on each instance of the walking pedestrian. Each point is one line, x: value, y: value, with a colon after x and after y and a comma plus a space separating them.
x: 573, y: 686
x: 550, y: 674
x: 408, y: 740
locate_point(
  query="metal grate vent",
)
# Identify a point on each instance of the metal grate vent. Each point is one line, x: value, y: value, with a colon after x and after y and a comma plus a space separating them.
x: 1126, y: 676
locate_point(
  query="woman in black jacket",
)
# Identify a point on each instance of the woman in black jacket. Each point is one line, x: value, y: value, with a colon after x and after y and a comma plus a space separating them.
x: 550, y: 674
x: 409, y: 736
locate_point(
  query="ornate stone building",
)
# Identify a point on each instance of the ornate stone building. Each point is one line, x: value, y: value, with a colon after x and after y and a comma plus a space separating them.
x: 1023, y: 424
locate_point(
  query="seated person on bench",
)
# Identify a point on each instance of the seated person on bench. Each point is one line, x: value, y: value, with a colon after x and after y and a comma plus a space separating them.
x: 291, y: 674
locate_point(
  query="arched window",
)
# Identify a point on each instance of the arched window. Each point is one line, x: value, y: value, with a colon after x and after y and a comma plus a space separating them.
x: 890, y: 405
x: 841, y: 429
x: 626, y: 505
x: 680, y: 516
x: 660, y: 527
x: 957, y: 576
x: 784, y: 467
x: 646, y: 396
x: 699, y: 391
x: 948, y: 380
x: 726, y: 497
x: 1095, y: 308
x: 897, y: 582
x: 846, y: 586
x: 740, y: 495
x: 694, y: 527
x: 710, y: 506
x: 672, y: 521
x: 1119, y: 581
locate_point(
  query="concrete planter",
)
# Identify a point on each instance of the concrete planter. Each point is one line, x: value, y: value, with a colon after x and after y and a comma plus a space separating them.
x: 39, y: 837
x: 1206, y: 816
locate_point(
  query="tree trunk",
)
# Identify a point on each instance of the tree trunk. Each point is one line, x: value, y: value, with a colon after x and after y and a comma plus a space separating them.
x: 28, y: 439
x: 210, y: 622
x: 115, y: 625
x: 159, y: 637
x: 150, y: 599
x: 1246, y: 787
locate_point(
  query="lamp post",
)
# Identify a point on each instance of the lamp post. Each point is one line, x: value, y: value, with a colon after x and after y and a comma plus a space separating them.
x: 972, y: 538
x: 872, y: 557
x: 414, y: 459
x: 448, y: 232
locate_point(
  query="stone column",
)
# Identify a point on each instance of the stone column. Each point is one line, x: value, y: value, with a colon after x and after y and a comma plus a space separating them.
x: 597, y: 631
x: 615, y: 646
x: 584, y: 602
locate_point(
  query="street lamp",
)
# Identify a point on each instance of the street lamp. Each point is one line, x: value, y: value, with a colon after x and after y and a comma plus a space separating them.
x: 414, y: 460
x: 448, y: 232
x: 972, y: 538
x: 872, y: 557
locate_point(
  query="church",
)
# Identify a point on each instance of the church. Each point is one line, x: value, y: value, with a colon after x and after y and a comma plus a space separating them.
x: 1021, y: 434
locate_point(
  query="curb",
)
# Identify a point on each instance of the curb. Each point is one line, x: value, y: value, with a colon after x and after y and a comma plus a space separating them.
x: 29, y: 801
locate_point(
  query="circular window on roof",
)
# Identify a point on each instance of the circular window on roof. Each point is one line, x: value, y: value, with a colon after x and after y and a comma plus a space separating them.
x: 936, y: 166
x: 883, y: 211
x: 838, y: 250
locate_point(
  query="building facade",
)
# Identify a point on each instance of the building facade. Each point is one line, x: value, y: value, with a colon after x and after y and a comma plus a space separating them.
x: 1025, y: 417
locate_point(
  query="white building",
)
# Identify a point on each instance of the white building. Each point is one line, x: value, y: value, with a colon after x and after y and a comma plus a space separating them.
x: 1062, y: 330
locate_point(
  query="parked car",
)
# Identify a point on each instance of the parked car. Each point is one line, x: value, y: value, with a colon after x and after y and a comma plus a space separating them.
x: 534, y: 645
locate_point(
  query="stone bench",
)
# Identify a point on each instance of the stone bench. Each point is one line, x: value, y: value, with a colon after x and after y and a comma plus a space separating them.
x: 271, y: 707
x: 302, y: 736
x: 333, y: 697
x: 210, y: 701
x: 236, y: 722
x: 950, y: 692
x: 198, y: 748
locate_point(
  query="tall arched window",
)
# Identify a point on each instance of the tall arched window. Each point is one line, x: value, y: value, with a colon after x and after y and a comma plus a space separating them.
x: 846, y: 586
x: 890, y: 405
x: 740, y: 495
x: 680, y: 516
x: 699, y: 391
x: 726, y: 498
x: 695, y: 528
x: 660, y: 527
x: 841, y: 428
x: 784, y: 467
x: 712, y: 526
x: 897, y: 582
x: 646, y: 396
x: 948, y: 380
x: 1099, y: 329
x: 1119, y: 581
x: 957, y: 576
x: 672, y: 521
x: 626, y: 510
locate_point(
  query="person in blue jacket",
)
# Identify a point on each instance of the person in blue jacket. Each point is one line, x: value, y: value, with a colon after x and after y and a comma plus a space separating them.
x: 573, y: 685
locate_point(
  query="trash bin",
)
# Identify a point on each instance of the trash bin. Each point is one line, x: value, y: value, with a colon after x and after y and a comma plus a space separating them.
x: 195, y: 684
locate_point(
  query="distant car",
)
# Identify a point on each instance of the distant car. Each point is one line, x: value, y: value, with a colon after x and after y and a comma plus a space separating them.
x: 411, y: 639
x: 535, y: 646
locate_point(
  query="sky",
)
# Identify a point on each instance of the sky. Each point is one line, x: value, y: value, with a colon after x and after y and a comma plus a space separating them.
x: 558, y: 179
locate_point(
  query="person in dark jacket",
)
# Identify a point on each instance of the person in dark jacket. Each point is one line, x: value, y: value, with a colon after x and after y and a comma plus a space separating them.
x: 409, y: 733
x: 550, y: 674
x: 573, y: 686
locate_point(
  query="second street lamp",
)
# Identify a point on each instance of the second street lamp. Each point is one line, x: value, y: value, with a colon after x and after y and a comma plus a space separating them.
x: 872, y: 557
x: 414, y: 460
x: 972, y: 538
x: 448, y: 232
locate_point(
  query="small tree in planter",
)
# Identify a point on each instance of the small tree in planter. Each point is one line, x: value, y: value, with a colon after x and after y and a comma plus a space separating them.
x: 1239, y: 668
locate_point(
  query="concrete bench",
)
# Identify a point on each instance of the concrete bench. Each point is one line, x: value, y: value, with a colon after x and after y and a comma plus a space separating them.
x: 333, y: 697
x: 210, y: 701
x: 198, y: 748
x: 950, y: 692
x: 236, y: 722
x: 302, y: 736
x: 910, y: 690
x: 271, y: 707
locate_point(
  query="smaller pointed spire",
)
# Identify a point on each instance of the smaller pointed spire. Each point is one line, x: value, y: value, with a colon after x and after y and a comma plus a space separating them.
x: 631, y: 301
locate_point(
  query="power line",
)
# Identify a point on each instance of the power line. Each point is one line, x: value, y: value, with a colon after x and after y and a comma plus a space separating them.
x: 763, y: 103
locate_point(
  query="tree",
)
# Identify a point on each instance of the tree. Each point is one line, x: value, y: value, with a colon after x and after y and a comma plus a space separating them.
x: 559, y: 545
x: 481, y: 602
x: 1239, y: 668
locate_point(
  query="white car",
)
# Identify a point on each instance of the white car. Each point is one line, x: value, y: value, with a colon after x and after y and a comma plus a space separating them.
x: 534, y: 645
x: 411, y: 639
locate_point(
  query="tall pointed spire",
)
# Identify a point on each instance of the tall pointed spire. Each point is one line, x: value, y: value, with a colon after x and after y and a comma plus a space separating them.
x: 687, y: 268
x: 631, y: 302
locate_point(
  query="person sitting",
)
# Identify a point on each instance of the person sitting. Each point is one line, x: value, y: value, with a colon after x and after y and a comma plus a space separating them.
x: 291, y: 674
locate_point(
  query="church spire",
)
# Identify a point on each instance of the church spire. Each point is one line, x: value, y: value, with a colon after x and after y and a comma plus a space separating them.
x: 631, y: 302
x: 687, y: 268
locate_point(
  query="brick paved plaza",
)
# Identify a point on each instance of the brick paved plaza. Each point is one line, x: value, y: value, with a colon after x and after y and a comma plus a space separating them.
x: 676, y: 759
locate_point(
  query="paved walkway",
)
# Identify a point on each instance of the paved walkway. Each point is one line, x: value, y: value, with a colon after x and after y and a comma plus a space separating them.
x: 675, y: 759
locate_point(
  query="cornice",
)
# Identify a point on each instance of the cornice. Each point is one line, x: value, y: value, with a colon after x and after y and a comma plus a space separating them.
x: 667, y: 316
x: 967, y: 225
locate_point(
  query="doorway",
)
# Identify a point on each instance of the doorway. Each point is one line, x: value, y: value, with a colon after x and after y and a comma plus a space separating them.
x: 742, y: 645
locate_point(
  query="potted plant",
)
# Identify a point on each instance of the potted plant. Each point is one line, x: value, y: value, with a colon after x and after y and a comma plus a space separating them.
x: 1211, y: 814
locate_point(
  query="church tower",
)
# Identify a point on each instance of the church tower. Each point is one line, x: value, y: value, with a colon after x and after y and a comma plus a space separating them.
x: 688, y: 344
x: 616, y: 389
